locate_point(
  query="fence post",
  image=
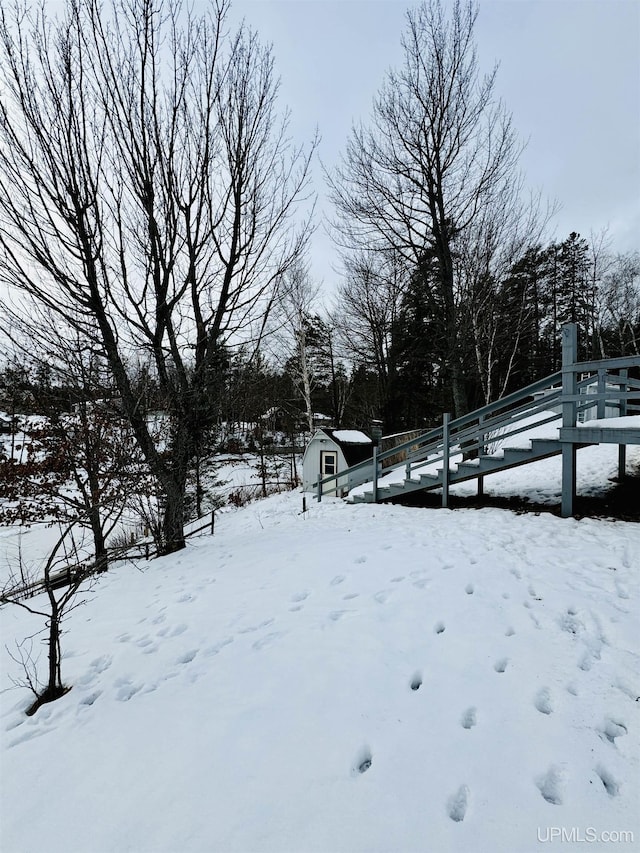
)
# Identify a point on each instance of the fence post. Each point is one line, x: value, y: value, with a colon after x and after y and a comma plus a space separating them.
x: 622, y: 448
x: 375, y: 473
x: 445, y: 459
x: 146, y: 550
x: 602, y: 388
x: 569, y: 390
x: 480, y: 453
x: 213, y: 520
x: 319, y: 496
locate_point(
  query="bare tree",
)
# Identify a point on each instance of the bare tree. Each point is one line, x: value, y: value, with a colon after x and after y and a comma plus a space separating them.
x: 292, y: 338
x: 147, y: 194
x: 79, y: 460
x: 63, y: 575
x: 438, y: 150
x: 620, y: 302
x: 366, y: 313
x: 493, y: 320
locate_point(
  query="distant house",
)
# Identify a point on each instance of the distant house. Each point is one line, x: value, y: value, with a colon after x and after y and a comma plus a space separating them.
x: 6, y: 422
x: 321, y: 421
x: 331, y: 451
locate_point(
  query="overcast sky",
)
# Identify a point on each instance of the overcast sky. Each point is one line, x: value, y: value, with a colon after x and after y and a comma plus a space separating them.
x: 569, y: 73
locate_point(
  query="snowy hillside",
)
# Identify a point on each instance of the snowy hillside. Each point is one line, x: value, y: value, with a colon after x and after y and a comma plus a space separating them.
x: 359, y: 678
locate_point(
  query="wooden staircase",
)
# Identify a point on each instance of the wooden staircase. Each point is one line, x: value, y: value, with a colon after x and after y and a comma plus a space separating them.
x: 459, y: 449
x: 471, y: 469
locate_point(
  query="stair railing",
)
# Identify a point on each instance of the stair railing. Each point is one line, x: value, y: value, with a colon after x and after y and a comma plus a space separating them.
x: 470, y: 433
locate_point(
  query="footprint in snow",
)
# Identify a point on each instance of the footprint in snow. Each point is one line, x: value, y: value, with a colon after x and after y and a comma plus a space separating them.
x: 337, y: 580
x: 622, y: 591
x: 300, y: 596
x: 469, y: 589
x: 96, y: 667
x: 611, y: 785
x: 250, y: 629
x: 439, y: 627
x: 542, y: 701
x: 469, y: 718
x: 501, y: 665
x: 187, y: 657
x: 216, y: 648
x: 416, y: 681
x: 335, y: 615
x: 360, y: 560
x: 382, y: 596
x: 126, y: 690
x: 588, y: 659
x: 363, y: 762
x: 551, y: 785
x: 509, y: 632
x: 90, y: 698
x: 268, y: 640
x: 611, y: 730
x: 458, y: 804
x: 350, y: 595
x: 570, y: 622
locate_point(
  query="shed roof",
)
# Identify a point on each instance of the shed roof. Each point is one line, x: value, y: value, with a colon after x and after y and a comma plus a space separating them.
x: 355, y: 445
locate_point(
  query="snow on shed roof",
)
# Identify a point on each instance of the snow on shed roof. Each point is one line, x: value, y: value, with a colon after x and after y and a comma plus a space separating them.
x: 350, y: 436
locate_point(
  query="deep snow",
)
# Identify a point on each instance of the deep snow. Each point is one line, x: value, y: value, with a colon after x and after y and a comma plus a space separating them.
x: 358, y: 678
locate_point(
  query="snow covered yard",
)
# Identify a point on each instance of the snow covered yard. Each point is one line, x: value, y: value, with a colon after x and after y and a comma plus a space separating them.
x: 361, y: 678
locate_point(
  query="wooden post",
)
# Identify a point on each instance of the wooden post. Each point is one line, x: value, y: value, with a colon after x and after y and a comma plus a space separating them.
x: 569, y: 389
x: 213, y: 520
x: 622, y: 448
x: 304, y: 504
x: 602, y: 387
x: 445, y: 460
x: 375, y: 473
x: 319, y: 495
x: 481, y: 448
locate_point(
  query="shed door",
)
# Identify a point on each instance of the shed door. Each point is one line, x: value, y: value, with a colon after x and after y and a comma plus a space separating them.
x: 328, y: 466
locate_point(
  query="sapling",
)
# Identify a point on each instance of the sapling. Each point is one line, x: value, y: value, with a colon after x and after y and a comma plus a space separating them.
x: 57, y: 595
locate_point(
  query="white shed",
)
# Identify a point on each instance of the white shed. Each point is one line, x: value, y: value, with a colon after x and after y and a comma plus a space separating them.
x: 331, y: 451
